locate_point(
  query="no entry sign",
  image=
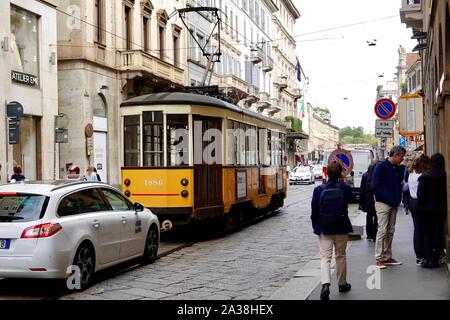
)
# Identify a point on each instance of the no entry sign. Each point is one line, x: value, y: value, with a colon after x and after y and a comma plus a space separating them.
x: 385, y: 108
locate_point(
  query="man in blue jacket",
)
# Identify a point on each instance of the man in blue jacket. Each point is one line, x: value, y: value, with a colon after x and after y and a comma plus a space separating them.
x: 387, y: 187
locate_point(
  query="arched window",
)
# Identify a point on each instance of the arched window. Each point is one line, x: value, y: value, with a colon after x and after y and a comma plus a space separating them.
x: 100, y: 106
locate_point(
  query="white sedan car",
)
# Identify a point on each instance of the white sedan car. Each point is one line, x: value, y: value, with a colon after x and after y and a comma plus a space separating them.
x: 301, y: 175
x: 47, y: 229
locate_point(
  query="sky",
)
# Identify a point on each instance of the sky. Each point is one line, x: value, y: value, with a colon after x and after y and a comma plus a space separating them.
x: 342, y: 68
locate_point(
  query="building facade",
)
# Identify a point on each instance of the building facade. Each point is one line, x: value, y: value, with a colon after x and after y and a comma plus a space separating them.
x: 430, y: 23
x: 110, y: 51
x: 28, y: 76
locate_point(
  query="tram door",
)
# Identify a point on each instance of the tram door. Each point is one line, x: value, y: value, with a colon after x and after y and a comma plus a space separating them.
x: 207, y: 173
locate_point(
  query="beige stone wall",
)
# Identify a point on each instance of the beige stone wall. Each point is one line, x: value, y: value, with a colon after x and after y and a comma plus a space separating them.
x: 79, y: 82
x: 38, y: 101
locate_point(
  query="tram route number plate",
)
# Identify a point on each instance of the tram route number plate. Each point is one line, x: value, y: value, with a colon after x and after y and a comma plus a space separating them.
x: 4, y: 243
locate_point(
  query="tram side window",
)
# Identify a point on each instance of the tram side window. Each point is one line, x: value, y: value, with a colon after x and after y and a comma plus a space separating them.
x: 153, y: 139
x: 177, y: 140
x: 231, y: 143
x: 283, y: 148
x: 275, y: 148
x: 131, y: 138
x: 251, y: 145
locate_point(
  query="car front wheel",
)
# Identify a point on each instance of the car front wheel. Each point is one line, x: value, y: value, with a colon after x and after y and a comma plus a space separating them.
x: 151, y: 245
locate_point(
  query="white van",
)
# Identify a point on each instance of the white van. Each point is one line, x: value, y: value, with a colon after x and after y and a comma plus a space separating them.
x: 362, y: 158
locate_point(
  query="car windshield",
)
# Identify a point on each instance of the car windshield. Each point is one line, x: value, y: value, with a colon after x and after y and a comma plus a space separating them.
x: 20, y: 207
x: 302, y: 169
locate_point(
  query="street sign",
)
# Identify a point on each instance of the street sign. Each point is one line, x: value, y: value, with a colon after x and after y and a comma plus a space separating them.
x: 384, y: 124
x: 14, y: 131
x: 384, y: 133
x: 383, y: 143
x: 14, y: 110
x: 385, y: 108
x: 344, y: 157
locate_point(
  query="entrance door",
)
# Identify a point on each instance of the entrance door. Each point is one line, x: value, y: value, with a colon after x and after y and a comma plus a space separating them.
x: 100, y: 154
x: 207, y: 177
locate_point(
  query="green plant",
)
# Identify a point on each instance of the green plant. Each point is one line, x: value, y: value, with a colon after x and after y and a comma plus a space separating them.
x: 296, y: 123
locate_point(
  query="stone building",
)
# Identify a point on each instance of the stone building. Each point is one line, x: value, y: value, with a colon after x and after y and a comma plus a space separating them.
x: 110, y: 51
x: 430, y: 24
x: 28, y: 75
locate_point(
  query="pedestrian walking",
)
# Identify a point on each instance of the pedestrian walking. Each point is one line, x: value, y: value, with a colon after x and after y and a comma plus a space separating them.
x: 419, y: 166
x: 432, y: 199
x: 367, y: 202
x: 90, y: 175
x: 330, y: 221
x: 17, y: 176
x: 387, y: 187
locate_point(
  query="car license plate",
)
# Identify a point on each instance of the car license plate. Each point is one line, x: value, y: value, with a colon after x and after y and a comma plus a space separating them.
x: 4, y: 243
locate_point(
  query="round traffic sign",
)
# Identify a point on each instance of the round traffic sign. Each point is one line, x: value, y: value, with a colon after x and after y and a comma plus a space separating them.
x: 385, y: 108
x: 345, y: 158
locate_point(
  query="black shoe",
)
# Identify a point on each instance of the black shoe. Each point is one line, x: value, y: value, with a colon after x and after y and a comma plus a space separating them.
x: 325, y: 292
x: 345, y: 287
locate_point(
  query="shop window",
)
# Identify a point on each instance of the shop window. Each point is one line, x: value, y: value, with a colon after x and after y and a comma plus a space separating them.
x: 24, y: 47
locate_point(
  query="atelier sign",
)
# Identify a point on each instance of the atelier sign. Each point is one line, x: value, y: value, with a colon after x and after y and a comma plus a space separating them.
x: 24, y: 78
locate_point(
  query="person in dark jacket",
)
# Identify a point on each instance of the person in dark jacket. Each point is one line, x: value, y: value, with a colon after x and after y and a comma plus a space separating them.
x: 432, y: 199
x: 335, y: 235
x: 17, y: 176
x: 367, y: 202
x: 387, y: 187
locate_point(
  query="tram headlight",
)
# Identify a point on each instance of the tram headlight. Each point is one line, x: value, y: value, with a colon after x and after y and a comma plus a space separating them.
x: 184, y: 193
x: 127, y: 193
x: 127, y: 182
x: 184, y: 182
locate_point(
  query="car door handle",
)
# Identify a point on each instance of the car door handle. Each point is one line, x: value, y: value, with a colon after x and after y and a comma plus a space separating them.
x: 96, y: 223
x: 124, y: 220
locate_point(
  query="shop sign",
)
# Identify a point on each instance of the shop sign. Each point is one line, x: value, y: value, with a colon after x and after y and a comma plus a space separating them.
x: 24, y: 78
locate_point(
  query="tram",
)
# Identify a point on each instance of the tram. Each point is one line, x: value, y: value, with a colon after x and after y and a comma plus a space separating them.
x: 191, y: 158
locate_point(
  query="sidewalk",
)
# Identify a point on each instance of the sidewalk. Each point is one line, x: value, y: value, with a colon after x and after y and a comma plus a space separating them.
x: 404, y: 282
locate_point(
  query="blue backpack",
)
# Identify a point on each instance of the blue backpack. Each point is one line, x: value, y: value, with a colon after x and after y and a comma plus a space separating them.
x: 332, y: 206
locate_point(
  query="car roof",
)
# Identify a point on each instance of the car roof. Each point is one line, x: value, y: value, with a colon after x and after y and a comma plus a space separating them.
x: 44, y: 187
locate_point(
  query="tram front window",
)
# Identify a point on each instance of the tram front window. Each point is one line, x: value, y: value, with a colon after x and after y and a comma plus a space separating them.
x: 131, y: 136
x: 153, y: 139
x: 177, y: 140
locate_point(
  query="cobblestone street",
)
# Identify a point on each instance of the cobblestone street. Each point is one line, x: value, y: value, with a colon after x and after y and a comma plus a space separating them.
x: 252, y: 263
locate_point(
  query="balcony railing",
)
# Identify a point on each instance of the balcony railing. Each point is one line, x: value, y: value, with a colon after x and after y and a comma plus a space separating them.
x: 137, y: 60
x: 230, y: 80
x: 411, y: 13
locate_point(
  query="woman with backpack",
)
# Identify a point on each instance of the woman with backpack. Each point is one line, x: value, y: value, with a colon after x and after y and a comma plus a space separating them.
x: 331, y: 223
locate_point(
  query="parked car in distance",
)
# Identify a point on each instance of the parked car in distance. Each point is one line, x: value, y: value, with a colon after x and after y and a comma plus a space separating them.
x: 317, y: 171
x: 46, y: 227
x: 301, y: 174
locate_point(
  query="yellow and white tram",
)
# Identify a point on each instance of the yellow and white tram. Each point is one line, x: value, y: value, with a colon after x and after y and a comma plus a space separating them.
x: 190, y: 157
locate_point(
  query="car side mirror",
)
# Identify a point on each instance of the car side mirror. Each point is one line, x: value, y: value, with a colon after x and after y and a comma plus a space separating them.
x: 138, y: 207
